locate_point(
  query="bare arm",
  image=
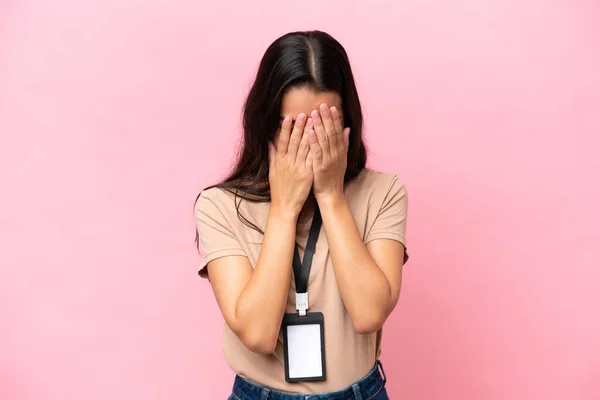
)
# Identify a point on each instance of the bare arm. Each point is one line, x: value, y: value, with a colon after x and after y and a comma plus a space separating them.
x: 253, y: 301
x: 369, y: 276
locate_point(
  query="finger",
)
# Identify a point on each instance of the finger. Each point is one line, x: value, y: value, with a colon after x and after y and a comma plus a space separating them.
x: 320, y: 132
x: 309, y: 125
x: 303, y: 149
x: 272, y: 153
x: 309, y: 160
x: 337, y: 121
x: 328, y: 125
x: 346, y: 136
x: 296, y: 136
x: 284, y: 136
x: 315, y: 148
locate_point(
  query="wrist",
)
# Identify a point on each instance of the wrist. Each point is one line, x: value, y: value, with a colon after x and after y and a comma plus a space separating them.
x: 328, y: 200
x: 286, y: 214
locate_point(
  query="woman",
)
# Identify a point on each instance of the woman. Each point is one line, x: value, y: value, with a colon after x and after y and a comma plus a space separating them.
x: 302, y: 164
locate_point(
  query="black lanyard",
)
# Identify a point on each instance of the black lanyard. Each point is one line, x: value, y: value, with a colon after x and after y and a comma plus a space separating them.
x: 302, y: 267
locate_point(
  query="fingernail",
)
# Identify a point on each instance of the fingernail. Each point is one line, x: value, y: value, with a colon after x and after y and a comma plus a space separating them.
x: 315, y: 114
x: 301, y: 117
x: 324, y: 108
x: 286, y: 119
x: 309, y: 122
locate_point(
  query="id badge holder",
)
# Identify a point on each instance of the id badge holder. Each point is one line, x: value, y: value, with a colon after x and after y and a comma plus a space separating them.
x: 304, y: 347
x: 304, y: 332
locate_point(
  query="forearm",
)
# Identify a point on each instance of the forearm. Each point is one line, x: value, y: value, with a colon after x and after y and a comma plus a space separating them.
x: 363, y: 286
x: 261, y: 305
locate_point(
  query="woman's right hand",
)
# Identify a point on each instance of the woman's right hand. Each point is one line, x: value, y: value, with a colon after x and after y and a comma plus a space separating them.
x: 290, y: 166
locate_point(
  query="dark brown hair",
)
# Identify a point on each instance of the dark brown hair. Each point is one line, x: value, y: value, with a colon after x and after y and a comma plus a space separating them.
x: 311, y: 59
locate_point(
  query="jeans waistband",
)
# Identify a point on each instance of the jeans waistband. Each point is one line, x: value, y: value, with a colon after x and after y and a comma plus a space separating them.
x: 363, y: 389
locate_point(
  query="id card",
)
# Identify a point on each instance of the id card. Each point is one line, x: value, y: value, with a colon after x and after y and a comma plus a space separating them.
x: 304, y: 347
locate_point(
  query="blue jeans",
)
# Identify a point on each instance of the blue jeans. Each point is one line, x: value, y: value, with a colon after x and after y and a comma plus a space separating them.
x: 371, y: 387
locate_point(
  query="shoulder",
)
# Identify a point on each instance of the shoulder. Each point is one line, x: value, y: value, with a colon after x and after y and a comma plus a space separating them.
x: 218, y: 203
x: 214, y: 194
x: 214, y: 200
x: 376, y: 183
x: 373, y: 191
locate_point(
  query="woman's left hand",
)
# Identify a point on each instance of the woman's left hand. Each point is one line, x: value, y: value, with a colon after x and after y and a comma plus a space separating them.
x: 329, y: 148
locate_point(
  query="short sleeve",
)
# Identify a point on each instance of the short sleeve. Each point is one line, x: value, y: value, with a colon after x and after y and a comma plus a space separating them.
x: 390, y: 221
x: 216, y: 238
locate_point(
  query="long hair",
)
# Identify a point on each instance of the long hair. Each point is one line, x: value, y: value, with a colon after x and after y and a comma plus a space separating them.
x: 310, y: 59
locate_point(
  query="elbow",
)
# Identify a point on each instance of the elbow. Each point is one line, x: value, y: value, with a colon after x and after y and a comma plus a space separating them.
x: 368, y: 324
x: 371, y: 318
x: 260, y: 346
x: 258, y: 341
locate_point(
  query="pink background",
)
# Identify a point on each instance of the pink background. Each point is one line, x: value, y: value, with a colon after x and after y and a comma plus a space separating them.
x: 114, y: 114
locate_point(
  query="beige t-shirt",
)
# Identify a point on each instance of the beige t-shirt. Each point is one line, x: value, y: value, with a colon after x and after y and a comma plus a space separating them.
x: 378, y: 202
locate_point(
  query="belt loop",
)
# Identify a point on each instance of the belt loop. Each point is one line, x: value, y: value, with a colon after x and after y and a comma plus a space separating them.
x: 265, y: 394
x: 356, y: 390
x: 380, y: 367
